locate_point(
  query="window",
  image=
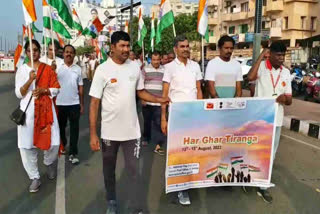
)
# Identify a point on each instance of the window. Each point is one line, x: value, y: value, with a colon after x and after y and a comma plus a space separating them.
x: 249, y: 62
x: 245, y: 7
x: 232, y: 8
x: 303, y: 20
x: 243, y: 28
x: 263, y: 25
x: 232, y: 29
x: 264, y: 2
x: 286, y: 22
x: 273, y: 23
x: 313, y: 23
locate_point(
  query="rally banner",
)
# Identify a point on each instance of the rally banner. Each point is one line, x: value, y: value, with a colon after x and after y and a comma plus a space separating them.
x: 220, y: 142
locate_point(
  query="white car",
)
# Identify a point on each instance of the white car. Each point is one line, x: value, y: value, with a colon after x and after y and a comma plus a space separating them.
x: 246, y: 64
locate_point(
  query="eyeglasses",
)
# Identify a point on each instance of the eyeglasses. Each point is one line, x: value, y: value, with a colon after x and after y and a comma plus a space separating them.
x: 34, y: 50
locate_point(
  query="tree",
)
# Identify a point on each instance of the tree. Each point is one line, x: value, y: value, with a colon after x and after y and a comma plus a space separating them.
x: 85, y: 50
x: 184, y: 24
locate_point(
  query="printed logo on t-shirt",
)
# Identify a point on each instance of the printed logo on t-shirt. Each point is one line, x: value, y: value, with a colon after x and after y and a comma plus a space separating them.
x: 283, y: 84
x: 113, y: 80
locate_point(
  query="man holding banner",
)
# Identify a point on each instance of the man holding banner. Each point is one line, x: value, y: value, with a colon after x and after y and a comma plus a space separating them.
x: 272, y: 80
x: 181, y: 82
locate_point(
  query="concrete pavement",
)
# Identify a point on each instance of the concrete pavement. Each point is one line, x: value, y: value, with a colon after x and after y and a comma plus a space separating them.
x: 295, y: 174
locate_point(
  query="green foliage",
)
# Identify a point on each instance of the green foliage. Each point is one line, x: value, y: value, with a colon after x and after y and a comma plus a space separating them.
x: 85, y: 50
x: 184, y: 24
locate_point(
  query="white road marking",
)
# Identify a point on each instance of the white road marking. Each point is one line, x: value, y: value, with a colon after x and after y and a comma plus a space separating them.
x: 302, y: 142
x: 60, y: 187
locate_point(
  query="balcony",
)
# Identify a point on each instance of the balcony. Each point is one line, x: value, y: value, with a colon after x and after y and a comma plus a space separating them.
x: 226, y: 17
x: 229, y: 17
x: 274, y: 6
x: 308, y: 1
x: 212, y: 2
x: 275, y: 32
x: 213, y: 21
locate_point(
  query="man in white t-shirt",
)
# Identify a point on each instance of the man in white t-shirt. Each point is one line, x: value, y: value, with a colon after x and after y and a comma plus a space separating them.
x: 272, y: 80
x: 70, y: 101
x: 93, y: 64
x: 181, y: 82
x: 224, y: 75
x: 115, y: 84
x: 48, y: 59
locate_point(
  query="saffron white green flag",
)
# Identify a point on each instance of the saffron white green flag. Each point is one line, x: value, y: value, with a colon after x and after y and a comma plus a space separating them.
x: 64, y: 11
x: 203, y: 19
x: 166, y: 18
x: 57, y: 23
x: 76, y: 21
x: 153, y: 32
x: 142, y: 31
x: 47, y: 38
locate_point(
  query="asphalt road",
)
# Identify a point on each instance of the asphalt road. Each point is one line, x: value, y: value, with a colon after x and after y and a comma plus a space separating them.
x: 296, y: 175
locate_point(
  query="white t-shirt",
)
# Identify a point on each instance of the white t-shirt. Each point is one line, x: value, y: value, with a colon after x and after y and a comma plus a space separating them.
x: 69, y: 78
x: 264, y: 86
x: 182, y: 79
x: 225, y: 75
x: 92, y: 64
x: 46, y: 60
x: 116, y: 85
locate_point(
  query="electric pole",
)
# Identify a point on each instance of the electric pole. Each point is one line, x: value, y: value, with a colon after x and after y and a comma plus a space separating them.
x: 257, y: 30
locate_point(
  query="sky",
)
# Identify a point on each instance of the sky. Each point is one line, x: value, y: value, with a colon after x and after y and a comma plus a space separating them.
x: 11, y: 18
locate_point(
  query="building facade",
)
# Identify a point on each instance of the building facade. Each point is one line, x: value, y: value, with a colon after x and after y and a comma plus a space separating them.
x: 289, y: 20
x: 178, y: 7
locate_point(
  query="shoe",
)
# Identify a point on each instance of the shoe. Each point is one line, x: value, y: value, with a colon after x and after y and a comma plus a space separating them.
x: 73, y: 159
x: 159, y: 151
x: 62, y: 151
x: 244, y: 188
x: 265, y: 195
x: 183, y: 197
x: 144, y: 143
x: 35, y: 184
x: 51, y: 172
x: 112, y: 207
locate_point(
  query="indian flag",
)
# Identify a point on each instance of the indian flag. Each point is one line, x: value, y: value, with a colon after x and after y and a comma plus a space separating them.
x: 253, y: 169
x: 166, y: 18
x: 153, y: 32
x: 25, y: 33
x: 63, y: 10
x: 57, y: 25
x: 93, y: 29
x: 76, y: 21
x: 211, y: 172
x: 203, y: 19
x: 47, y: 38
x: 142, y: 31
x: 223, y: 166
x: 243, y: 166
x: 236, y: 160
x: 126, y: 27
x: 29, y: 11
x: 18, y: 55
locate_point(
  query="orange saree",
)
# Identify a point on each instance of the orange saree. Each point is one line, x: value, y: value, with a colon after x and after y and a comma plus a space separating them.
x: 43, y: 113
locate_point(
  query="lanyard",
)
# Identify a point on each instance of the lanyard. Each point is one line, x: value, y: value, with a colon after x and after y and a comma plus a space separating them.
x: 274, y: 85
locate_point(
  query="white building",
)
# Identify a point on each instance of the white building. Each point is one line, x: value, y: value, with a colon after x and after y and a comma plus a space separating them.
x: 178, y: 7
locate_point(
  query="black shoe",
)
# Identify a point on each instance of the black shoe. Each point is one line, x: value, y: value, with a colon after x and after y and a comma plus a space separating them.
x: 265, y: 195
x: 112, y: 207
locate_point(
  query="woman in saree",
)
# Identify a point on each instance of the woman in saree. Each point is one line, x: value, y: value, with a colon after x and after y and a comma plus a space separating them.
x: 40, y: 130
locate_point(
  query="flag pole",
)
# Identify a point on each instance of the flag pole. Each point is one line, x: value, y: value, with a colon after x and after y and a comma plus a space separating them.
x: 52, y: 39
x: 30, y: 46
x: 142, y: 53
x: 202, y: 53
x: 174, y: 30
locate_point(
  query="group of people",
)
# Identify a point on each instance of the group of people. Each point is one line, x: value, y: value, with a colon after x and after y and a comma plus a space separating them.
x: 115, y: 85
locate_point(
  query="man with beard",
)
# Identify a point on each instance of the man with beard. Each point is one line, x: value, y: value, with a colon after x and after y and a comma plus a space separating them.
x: 116, y: 83
x: 182, y: 77
x: 224, y: 75
x: 70, y: 101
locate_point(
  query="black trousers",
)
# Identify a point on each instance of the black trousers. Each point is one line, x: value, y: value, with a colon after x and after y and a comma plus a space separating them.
x: 152, y: 124
x: 71, y: 114
x: 131, y: 152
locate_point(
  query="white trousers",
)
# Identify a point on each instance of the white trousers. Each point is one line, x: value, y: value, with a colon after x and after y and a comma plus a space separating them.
x: 30, y: 160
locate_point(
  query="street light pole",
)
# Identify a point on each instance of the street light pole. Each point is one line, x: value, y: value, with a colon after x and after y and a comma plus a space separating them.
x: 257, y: 30
x: 131, y: 16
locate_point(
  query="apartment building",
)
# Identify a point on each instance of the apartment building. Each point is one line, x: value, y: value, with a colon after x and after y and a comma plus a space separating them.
x: 178, y: 7
x: 289, y: 20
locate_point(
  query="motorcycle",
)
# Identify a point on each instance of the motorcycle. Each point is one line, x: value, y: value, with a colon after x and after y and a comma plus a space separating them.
x: 297, y: 81
x: 313, y: 89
